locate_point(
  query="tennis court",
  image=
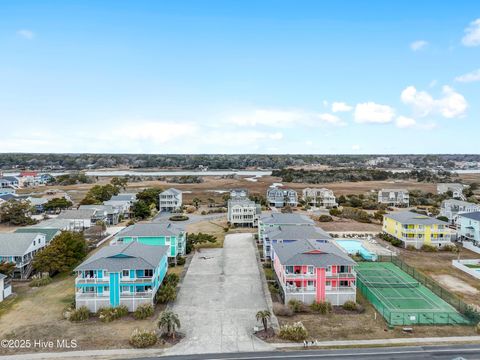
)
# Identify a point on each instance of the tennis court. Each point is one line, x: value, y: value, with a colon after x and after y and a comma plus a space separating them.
x: 401, y: 299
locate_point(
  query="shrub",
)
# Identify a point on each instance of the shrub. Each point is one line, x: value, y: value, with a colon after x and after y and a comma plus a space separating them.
x: 295, y: 305
x: 37, y: 282
x: 181, y: 260
x: 273, y: 289
x: 477, y: 328
x: 167, y: 293
x: 143, y: 311
x: 442, y: 218
x: 171, y: 279
x: 269, y: 274
x: 108, y: 314
x: 143, y: 338
x: 178, y: 218
x: 282, y: 310
x: 450, y: 247
x: 322, y: 307
x: 80, y: 314
x: 325, y: 218
x: 429, y: 248
x: 350, y: 305
x: 335, y: 212
x: 411, y: 247
x: 294, y: 332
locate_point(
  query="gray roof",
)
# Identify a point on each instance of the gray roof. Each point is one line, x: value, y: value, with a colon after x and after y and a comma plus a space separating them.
x: 150, y: 229
x: 37, y: 201
x: 286, y: 218
x: 49, y: 233
x: 475, y: 215
x: 458, y: 202
x: 123, y: 197
x: 408, y: 217
x: 309, y: 252
x: 115, y: 258
x: 394, y: 190
x: 109, y: 209
x: 77, y: 214
x: 54, y: 223
x: 297, y: 233
x: 9, y: 178
x: 16, y: 244
x: 8, y: 197
x: 171, y: 191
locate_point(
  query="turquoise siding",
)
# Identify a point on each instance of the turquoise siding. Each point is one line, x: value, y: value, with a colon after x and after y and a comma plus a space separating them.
x: 469, y: 226
x: 177, y: 244
x: 114, y: 289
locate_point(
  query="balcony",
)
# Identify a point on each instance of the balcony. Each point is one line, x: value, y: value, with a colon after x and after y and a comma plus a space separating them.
x: 347, y: 275
x: 341, y: 289
x: 92, y: 280
x: 106, y: 295
x: 300, y: 276
x: 299, y: 289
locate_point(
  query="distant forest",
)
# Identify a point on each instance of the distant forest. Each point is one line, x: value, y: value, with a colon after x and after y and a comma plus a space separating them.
x: 218, y: 161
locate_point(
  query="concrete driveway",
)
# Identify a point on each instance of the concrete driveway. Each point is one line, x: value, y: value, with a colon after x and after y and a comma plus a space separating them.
x: 218, y: 300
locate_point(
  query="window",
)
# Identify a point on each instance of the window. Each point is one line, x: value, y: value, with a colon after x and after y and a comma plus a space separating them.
x: 125, y: 273
x: 343, y: 283
x: 328, y: 269
x: 342, y: 269
x: 125, y: 289
x: 328, y: 283
x: 289, y: 269
x: 148, y: 272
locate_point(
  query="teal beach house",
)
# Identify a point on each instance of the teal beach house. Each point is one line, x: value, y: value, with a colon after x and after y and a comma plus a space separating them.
x: 163, y: 234
x: 123, y: 274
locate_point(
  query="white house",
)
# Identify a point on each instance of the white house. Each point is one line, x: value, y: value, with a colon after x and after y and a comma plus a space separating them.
x: 81, y: 218
x: 123, y: 203
x: 5, y: 287
x: 280, y: 196
x: 170, y: 200
x: 243, y: 212
x: 238, y: 194
x: 451, y: 208
x: 319, y: 197
x: 20, y: 248
x: 455, y: 188
x: 394, y: 197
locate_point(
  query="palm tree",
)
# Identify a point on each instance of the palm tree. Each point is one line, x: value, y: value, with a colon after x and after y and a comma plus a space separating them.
x: 264, y: 315
x: 169, y: 322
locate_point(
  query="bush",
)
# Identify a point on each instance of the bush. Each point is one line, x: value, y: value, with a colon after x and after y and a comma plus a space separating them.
x: 273, y: 289
x: 282, y: 310
x: 335, y: 212
x: 411, y: 247
x: 294, y: 332
x: 296, y: 305
x: 171, y: 279
x: 108, y: 314
x: 143, y: 311
x: 269, y: 274
x: 325, y: 218
x: 181, y: 260
x: 37, y: 282
x: 428, y: 248
x: 178, y: 218
x: 350, y: 305
x: 80, y: 314
x: 450, y: 247
x: 167, y: 293
x: 322, y: 307
x: 142, y: 338
x: 477, y: 328
x: 442, y: 218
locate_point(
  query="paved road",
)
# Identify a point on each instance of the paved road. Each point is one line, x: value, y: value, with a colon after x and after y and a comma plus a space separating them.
x: 218, y: 300
x: 469, y: 352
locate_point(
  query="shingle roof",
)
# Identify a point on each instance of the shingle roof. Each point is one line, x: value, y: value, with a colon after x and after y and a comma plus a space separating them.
x: 150, y: 229
x: 123, y: 197
x: 297, y: 233
x: 171, y: 191
x: 15, y: 244
x: 77, y: 214
x: 285, y: 218
x: 475, y: 215
x: 312, y: 253
x: 408, y: 217
x: 115, y: 258
x: 49, y: 233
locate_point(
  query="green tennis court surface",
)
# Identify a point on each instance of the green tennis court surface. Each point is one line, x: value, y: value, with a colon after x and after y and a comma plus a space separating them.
x: 401, y: 299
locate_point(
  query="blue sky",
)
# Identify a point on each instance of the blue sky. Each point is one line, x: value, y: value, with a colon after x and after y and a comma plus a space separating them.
x: 240, y: 76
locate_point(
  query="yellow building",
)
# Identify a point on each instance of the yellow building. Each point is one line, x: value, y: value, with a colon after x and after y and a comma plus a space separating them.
x: 416, y: 229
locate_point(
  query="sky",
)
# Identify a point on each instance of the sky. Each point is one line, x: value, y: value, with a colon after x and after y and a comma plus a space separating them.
x: 240, y: 76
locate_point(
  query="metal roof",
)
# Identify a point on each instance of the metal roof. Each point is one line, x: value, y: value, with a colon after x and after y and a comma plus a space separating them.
x: 115, y: 258
x: 309, y: 252
x: 150, y: 230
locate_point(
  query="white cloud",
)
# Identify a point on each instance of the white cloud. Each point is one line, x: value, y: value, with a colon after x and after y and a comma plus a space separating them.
x: 26, y: 34
x: 472, y: 34
x: 469, y: 77
x: 283, y: 118
x: 404, y: 122
x: 452, y: 104
x: 341, y: 107
x: 418, y: 45
x: 371, y: 112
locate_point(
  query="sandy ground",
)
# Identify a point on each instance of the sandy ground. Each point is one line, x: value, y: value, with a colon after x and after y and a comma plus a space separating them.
x: 454, y: 284
x: 346, y: 225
